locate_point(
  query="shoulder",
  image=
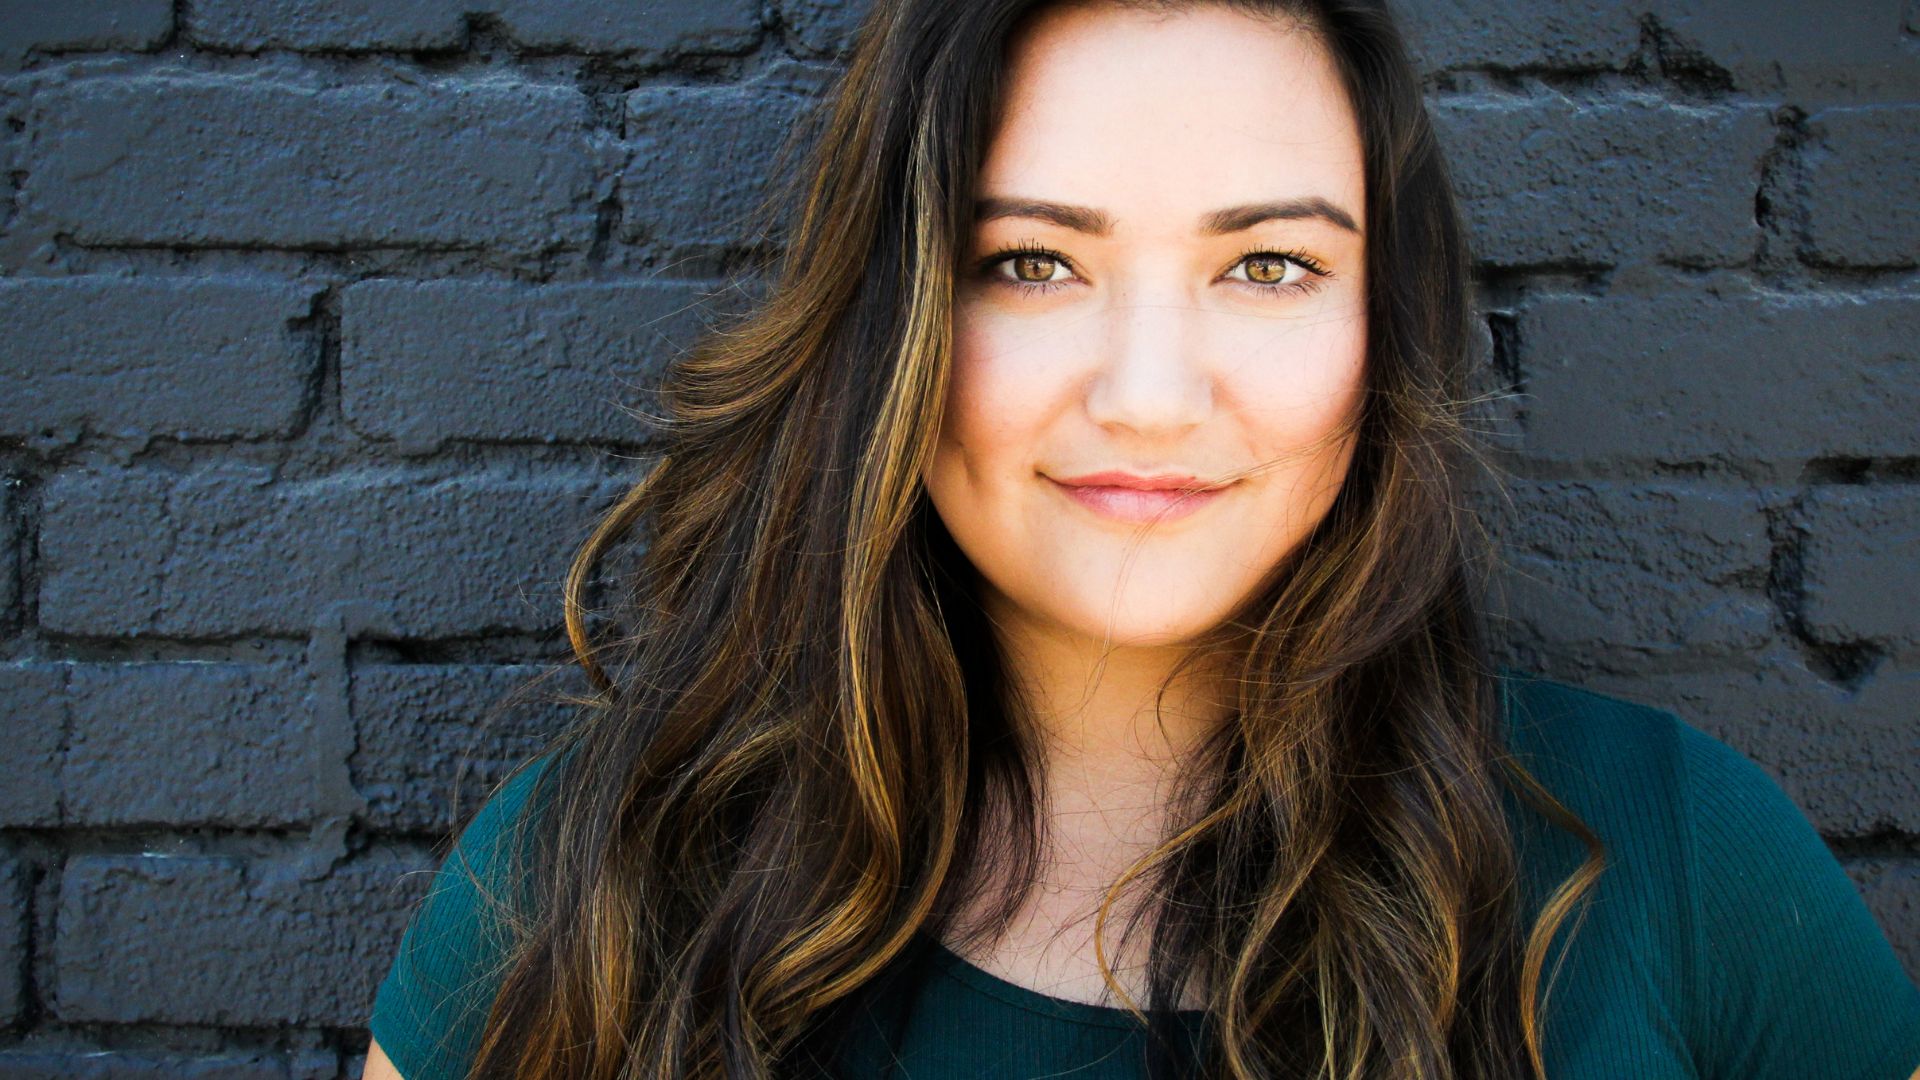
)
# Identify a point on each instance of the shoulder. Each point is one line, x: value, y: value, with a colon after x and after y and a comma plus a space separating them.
x: 1601, y: 755
x: 1659, y: 791
x: 1719, y: 888
x: 499, y: 826
x: 1636, y: 767
x: 429, y: 1009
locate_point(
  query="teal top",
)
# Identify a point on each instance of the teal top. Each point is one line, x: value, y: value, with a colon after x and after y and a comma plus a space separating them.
x: 1724, y: 940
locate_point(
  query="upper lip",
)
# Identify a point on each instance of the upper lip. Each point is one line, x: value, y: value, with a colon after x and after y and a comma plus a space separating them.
x: 1156, y: 482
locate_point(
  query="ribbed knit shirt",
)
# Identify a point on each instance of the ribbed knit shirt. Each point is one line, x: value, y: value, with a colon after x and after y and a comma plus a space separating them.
x: 1723, y: 942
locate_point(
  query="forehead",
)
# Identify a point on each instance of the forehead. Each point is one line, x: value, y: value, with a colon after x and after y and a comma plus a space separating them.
x: 1144, y: 113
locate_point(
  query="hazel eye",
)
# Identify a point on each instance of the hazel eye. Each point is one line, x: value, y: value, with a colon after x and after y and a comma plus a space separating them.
x: 1033, y: 268
x: 1267, y: 269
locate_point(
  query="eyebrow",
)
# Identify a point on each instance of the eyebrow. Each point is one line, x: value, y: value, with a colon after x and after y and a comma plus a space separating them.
x: 1217, y: 223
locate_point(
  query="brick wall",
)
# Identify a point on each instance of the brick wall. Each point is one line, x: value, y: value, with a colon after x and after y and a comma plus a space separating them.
x: 315, y: 319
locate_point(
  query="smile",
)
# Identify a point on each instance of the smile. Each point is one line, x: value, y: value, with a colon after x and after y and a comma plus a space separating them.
x: 1137, y: 505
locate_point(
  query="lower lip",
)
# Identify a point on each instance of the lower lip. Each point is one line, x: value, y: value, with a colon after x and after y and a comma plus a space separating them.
x: 1135, y: 505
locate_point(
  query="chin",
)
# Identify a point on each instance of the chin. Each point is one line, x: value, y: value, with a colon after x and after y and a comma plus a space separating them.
x: 1135, y: 621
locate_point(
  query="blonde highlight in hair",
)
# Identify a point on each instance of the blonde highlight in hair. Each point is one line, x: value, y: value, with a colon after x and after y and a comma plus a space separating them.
x: 803, y: 745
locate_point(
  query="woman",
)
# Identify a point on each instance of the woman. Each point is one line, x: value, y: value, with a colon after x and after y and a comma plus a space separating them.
x: 1057, y: 648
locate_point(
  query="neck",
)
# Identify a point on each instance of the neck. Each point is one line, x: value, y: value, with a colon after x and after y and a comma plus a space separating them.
x: 1110, y: 744
x: 1109, y: 758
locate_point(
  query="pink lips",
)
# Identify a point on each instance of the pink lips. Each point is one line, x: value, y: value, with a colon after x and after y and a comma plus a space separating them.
x: 1126, y: 497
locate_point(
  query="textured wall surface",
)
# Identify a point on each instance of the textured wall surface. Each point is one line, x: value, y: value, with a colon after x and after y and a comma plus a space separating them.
x: 316, y: 319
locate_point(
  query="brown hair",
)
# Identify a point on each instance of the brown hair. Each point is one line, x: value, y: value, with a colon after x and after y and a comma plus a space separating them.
x: 796, y: 679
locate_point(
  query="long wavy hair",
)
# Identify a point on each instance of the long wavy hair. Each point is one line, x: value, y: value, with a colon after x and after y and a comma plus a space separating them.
x: 800, y: 746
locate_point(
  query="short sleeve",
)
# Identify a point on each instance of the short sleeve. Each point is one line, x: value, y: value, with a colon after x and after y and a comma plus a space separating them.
x: 1792, y: 977
x: 429, y: 1010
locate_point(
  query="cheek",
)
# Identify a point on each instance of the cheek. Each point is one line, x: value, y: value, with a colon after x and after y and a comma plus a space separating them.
x: 999, y: 394
x: 1297, y: 392
x: 1300, y: 381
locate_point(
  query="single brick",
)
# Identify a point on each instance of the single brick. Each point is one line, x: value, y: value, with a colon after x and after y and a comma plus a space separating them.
x: 190, y: 744
x: 422, y: 362
x: 157, y: 744
x: 1891, y: 886
x: 1850, y: 759
x: 1688, y: 374
x: 212, y: 940
x: 1600, y: 570
x: 1858, y: 563
x: 1799, y: 51
x: 87, y: 1064
x: 1577, y: 34
x: 631, y: 26
x: 700, y: 161
x: 1551, y: 182
x: 1863, y: 187
x: 227, y: 550
x: 101, y: 24
x: 592, y: 26
x: 33, y: 711
x: 430, y: 733
x: 16, y: 923
x: 342, y: 25
x: 194, y: 162
x: 136, y: 357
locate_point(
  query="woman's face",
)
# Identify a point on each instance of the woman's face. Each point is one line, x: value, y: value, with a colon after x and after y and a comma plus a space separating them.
x: 1186, y: 194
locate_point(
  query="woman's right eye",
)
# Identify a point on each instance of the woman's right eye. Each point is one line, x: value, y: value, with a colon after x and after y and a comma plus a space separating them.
x: 1034, y: 269
x: 1030, y: 270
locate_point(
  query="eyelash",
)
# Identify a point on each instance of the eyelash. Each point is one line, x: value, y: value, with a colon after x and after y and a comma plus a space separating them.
x: 1031, y: 248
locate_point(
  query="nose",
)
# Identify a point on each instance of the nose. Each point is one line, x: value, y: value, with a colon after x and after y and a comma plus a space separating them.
x: 1151, y: 379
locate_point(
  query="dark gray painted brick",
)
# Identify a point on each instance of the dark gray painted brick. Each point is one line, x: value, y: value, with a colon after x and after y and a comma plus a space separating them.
x: 99, y: 24
x: 1891, y: 886
x: 345, y: 25
x: 594, y: 26
x: 190, y: 744
x: 213, y: 940
x: 157, y: 744
x: 1859, y: 563
x: 1549, y: 182
x: 33, y: 714
x: 422, y: 362
x: 1612, y: 570
x: 700, y: 160
x: 1850, y: 759
x: 16, y: 914
x: 136, y: 357
x: 621, y: 26
x: 1689, y: 374
x: 1566, y: 34
x: 1863, y: 187
x: 81, y: 1064
x: 429, y: 733
x: 405, y: 554
x: 196, y: 162
x: 1805, y: 52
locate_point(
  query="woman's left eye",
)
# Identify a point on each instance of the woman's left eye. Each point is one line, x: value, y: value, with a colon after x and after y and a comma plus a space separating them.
x: 1275, y: 270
